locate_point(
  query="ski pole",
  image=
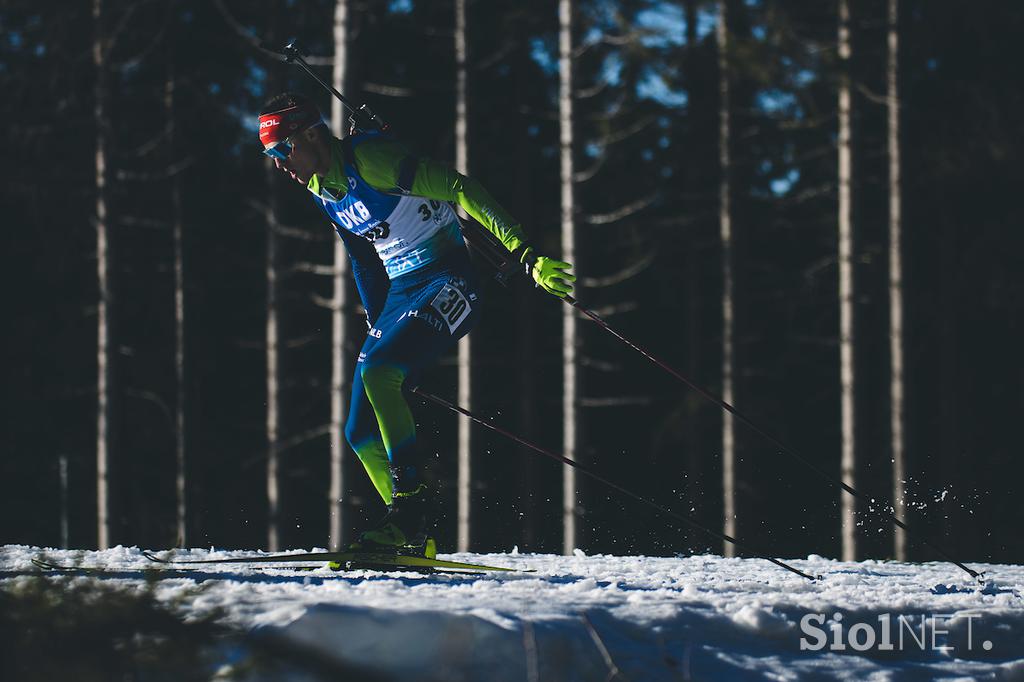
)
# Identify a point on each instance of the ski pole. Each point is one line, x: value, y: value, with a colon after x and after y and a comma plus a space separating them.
x: 597, y: 477
x: 293, y: 55
x: 772, y: 439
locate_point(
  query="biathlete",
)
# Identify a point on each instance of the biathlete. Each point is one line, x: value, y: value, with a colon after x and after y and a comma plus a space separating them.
x: 412, y: 271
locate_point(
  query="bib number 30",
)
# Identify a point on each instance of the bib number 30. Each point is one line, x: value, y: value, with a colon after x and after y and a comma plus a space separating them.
x: 452, y: 305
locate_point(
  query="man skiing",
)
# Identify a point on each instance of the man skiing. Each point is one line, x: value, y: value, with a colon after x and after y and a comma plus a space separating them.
x: 411, y: 268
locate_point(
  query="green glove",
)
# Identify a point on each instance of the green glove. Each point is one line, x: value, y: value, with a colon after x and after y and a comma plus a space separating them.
x: 548, y: 273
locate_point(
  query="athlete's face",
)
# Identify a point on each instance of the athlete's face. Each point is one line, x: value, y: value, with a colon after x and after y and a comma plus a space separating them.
x: 310, y: 154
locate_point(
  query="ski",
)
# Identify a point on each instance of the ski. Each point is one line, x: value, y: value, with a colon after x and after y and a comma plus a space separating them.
x: 40, y: 563
x: 348, y: 560
x: 172, y: 571
x: 96, y: 570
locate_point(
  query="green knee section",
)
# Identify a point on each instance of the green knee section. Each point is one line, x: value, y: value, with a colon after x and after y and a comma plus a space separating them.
x: 383, y: 385
x: 374, y: 457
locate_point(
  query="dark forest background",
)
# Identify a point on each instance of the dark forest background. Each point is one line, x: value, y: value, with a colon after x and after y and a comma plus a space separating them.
x: 646, y: 120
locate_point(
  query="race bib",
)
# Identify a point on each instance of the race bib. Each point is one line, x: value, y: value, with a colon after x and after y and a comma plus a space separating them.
x: 452, y: 305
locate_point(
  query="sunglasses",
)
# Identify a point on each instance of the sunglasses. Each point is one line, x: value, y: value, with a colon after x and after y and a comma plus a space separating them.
x: 279, y: 151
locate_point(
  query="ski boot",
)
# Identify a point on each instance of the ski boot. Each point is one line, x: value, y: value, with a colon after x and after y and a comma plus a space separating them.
x: 406, y: 529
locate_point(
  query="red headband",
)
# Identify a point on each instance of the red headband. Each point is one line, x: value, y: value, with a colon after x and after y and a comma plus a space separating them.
x: 280, y: 125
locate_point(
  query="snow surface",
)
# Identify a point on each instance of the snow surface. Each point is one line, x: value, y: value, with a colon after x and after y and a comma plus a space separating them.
x: 586, y: 617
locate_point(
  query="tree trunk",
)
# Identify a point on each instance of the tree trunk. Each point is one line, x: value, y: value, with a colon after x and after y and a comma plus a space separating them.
x: 725, y: 232
x: 104, y: 344
x: 181, y: 479
x: 273, y: 375
x: 694, y: 458
x: 896, y: 389
x: 526, y: 337
x: 570, y: 419
x: 272, y: 334
x: 465, y: 485
x: 65, y: 512
x: 846, y: 291
x: 339, y: 362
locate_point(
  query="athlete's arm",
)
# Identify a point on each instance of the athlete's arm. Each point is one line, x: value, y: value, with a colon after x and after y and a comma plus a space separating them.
x: 387, y: 165
x: 381, y: 164
x: 371, y: 279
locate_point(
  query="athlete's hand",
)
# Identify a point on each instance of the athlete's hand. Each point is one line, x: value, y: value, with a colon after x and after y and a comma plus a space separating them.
x: 549, y: 274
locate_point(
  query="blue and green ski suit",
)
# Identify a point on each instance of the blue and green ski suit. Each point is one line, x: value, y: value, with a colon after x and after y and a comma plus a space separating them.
x: 413, y: 274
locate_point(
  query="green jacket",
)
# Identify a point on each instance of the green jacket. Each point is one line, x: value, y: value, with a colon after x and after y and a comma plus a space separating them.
x: 379, y: 161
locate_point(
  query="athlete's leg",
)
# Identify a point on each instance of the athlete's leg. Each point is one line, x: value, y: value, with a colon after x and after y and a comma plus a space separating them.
x: 383, y: 379
x: 420, y: 335
x: 363, y: 434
